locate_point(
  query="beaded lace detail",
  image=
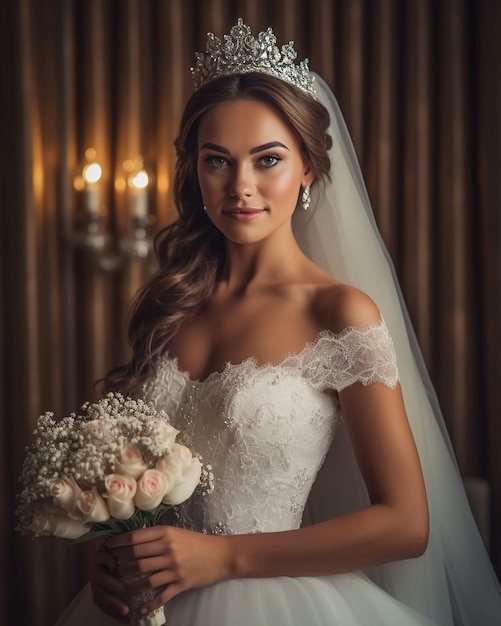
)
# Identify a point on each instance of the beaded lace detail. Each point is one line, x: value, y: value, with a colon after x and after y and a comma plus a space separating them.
x: 265, y: 429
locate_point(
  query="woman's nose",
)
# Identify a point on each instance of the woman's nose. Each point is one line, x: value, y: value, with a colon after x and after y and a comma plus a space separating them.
x: 242, y: 184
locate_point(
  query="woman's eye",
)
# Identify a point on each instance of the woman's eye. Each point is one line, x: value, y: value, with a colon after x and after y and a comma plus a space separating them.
x: 216, y: 161
x: 269, y: 160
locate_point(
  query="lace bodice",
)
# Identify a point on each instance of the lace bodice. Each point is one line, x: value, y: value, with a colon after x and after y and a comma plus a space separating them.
x: 265, y: 429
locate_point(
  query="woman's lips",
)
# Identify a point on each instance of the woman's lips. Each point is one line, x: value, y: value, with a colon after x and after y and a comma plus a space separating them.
x: 243, y: 215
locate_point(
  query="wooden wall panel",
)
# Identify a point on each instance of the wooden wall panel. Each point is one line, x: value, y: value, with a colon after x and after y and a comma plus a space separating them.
x: 418, y: 82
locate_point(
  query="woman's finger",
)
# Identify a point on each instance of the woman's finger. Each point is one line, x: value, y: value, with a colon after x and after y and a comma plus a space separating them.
x: 156, y: 580
x: 110, y: 604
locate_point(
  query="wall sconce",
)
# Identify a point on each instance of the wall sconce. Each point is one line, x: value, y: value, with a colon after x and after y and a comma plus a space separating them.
x: 90, y: 231
x: 136, y: 183
x: 93, y: 228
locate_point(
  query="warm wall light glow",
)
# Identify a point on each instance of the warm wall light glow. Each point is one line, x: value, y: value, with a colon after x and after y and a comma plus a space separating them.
x: 140, y: 180
x: 92, y: 173
x: 93, y: 232
x: 87, y: 183
x: 137, y: 183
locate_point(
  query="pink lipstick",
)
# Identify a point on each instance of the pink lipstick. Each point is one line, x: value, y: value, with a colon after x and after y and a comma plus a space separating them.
x: 243, y: 214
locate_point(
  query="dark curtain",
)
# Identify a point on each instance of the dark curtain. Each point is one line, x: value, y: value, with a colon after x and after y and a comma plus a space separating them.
x: 419, y: 84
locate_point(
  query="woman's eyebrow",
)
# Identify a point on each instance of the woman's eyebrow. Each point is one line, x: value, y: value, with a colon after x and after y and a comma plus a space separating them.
x: 214, y: 146
x: 265, y: 146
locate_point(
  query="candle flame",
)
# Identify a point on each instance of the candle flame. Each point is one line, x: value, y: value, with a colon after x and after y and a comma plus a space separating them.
x: 92, y: 173
x: 140, y: 180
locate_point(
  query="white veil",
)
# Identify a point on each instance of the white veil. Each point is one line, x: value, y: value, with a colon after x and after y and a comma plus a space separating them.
x: 453, y: 582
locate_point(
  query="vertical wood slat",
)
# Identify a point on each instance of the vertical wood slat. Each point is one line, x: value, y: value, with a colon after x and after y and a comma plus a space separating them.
x: 128, y: 137
x: 6, y: 79
x: 251, y: 12
x: 93, y: 303
x: 416, y: 248
x: 46, y: 159
x: 131, y: 144
x: 65, y: 575
x: 176, y: 46
x: 488, y: 120
x: 456, y: 382
x: 22, y: 336
x: 290, y: 23
x: 322, y: 40
x: 16, y: 182
x: 68, y: 167
x: 216, y: 17
x: 25, y: 354
x: 383, y: 144
x: 352, y: 92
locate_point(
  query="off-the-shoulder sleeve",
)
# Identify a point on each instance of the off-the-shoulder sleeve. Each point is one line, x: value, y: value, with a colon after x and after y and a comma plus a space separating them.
x: 355, y: 355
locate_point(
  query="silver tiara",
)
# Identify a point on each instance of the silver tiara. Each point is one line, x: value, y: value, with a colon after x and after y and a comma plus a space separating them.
x: 241, y: 53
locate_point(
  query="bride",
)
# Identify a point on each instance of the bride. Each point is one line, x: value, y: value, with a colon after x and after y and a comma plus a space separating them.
x: 275, y: 336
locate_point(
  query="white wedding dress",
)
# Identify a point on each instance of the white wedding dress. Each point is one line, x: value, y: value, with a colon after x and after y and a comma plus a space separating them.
x: 266, y: 430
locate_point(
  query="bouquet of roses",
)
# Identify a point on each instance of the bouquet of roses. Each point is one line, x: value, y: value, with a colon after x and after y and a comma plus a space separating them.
x: 117, y: 467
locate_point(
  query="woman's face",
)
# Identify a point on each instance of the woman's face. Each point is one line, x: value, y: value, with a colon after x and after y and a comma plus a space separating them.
x: 250, y: 170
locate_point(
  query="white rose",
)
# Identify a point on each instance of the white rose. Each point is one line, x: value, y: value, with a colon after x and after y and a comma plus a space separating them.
x: 185, y: 470
x: 165, y: 431
x: 151, y: 488
x: 91, y: 507
x: 120, y: 492
x: 178, y: 457
x: 130, y: 462
x: 65, y: 492
x: 58, y: 525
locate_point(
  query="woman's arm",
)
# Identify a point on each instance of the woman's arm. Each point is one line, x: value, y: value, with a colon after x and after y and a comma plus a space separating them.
x: 393, y: 527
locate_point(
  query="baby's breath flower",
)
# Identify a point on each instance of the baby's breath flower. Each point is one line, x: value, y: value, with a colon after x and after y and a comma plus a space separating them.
x: 85, y: 447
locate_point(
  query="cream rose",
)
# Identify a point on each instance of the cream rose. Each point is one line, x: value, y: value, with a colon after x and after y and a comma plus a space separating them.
x: 151, y: 488
x: 91, y: 507
x: 58, y: 525
x: 65, y: 492
x: 178, y: 457
x: 119, y: 493
x: 130, y: 462
x: 185, y: 471
x: 166, y: 432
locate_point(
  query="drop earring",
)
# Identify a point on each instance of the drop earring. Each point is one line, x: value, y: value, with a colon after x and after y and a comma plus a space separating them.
x: 205, y: 208
x: 305, y: 198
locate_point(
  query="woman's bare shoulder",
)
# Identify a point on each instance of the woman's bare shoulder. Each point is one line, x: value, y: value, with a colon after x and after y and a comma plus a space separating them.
x: 337, y: 306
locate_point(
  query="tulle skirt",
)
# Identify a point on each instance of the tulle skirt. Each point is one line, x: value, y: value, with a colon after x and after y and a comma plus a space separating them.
x: 342, y: 600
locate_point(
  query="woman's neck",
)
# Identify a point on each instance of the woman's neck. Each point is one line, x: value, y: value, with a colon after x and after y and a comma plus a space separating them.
x: 272, y: 260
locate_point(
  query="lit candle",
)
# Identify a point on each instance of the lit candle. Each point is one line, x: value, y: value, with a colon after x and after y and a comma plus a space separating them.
x: 91, y: 175
x: 139, y: 194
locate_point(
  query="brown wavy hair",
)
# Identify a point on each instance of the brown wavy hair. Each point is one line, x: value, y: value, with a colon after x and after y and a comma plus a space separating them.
x: 190, y: 250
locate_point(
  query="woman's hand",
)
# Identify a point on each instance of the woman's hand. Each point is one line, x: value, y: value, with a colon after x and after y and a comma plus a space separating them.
x: 172, y: 559
x: 107, y: 589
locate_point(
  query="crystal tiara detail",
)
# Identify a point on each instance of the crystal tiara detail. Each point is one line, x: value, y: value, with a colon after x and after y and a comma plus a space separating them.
x: 241, y: 53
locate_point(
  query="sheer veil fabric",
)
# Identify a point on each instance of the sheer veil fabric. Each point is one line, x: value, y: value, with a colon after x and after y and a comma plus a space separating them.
x: 453, y: 582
